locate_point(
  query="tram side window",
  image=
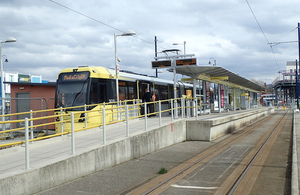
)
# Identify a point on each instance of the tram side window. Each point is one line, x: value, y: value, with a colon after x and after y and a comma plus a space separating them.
x: 131, y: 90
x: 163, y: 92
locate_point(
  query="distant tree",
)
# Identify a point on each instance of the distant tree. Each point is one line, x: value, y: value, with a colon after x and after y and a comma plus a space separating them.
x: 259, y: 82
x: 269, y: 88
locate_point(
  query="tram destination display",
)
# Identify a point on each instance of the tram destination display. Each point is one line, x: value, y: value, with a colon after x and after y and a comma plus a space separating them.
x: 161, y: 64
x: 186, y: 62
x: 74, y: 76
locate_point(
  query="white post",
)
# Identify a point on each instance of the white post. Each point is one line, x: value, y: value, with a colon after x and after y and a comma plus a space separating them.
x: 26, y: 145
x: 182, y: 107
x: 72, y: 134
x: 172, y: 115
x: 175, y: 86
x: 188, y: 109
x: 61, y: 121
x: 127, y: 122
x: 219, y: 97
x: 195, y: 111
x: 2, y: 87
x: 104, y: 124
x: 196, y: 108
x: 233, y: 89
x: 31, y: 124
x: 159, y: 108
x: 117, y: 71
x: 85, y: 117
x: 145, y: 110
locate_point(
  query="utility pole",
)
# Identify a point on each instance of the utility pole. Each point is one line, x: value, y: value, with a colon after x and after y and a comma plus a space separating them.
x: 155, y: 40
x: 297, y: 91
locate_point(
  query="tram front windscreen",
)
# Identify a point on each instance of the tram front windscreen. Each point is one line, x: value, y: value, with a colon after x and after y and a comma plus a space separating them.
x: 71, y: 89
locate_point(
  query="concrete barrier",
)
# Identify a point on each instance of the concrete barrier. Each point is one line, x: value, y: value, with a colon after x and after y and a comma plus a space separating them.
x: 36, y: 180
x: 39, y: 179
x: 210, y: 129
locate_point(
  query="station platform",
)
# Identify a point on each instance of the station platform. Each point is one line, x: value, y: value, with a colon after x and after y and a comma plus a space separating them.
x: 296, y: 155
x: 52, y: 164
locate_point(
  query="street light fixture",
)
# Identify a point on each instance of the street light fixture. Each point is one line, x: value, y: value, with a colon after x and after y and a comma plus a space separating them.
x: 184, y: 43
x: 126, y: 33
x: 9, y: 40
x: 214, y: 61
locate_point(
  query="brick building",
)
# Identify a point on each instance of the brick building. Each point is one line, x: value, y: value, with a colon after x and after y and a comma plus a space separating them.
x: 31, y: 96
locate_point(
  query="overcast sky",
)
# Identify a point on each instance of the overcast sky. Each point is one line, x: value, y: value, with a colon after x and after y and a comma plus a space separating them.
x: 51, y: 37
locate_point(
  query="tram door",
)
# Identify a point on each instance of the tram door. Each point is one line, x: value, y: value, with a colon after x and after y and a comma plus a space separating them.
x: 142, y: 88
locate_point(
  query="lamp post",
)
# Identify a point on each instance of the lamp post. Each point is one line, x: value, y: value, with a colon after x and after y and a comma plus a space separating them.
x: 126, y: 33
x: 184, y: 43
x: 214, y: 61
x: 9, y: 40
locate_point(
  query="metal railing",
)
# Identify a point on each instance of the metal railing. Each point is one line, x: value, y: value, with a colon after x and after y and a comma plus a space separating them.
x: 128, y: 110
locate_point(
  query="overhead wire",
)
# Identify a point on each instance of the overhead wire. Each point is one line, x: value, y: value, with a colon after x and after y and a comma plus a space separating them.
x: 263, y: 33
x: 98, y: 21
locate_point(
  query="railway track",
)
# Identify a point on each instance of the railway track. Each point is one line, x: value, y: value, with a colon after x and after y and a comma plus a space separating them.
x: 238, y: 181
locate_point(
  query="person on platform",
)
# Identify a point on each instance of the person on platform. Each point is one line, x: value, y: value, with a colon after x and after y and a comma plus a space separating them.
x: 148, y: 98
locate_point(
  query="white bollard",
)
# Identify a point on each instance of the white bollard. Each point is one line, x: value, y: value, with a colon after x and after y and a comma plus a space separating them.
x: 26, y: 145
x: 72, y: 134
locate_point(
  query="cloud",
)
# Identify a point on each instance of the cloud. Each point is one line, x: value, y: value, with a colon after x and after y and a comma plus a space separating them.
x: 51, y: 37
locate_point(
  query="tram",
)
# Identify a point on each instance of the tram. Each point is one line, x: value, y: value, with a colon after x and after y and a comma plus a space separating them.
x: 97, y: 85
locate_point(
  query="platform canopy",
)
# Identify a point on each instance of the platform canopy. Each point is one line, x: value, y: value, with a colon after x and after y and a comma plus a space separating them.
x: 219, y: 75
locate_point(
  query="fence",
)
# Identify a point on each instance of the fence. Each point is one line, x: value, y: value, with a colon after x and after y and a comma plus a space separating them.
x: 124, y: 112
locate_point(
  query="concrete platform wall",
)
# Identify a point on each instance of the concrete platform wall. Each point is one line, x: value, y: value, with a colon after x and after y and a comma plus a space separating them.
x: 36, y: 180
x: 211, y: 129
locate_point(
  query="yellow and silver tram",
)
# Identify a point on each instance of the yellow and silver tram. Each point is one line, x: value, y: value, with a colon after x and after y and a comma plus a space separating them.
x: 94, y: 86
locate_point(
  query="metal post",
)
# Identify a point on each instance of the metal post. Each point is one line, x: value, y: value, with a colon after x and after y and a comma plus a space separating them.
x: 297, y: 85
x: 233, y: 93
x: 172, y: 115
x: 127, y: 122
x: 173, y: 61
x: 155, y: 48
x: 85, y: 115
x: 2, y: 85
x: 104, y: 124
x: 31, y: 124
x: 182, y: 107
x: 196, y: 108
x: 204, y: 95
x: 117, y: 70
x: 159, y: 108
x: 72, y: 134
x: 26, y: 145
x: 219, y: 97
x: 194, y: 96
x: 297, y: 91
x: 188, y: 114
x: 61, y: 121
x: 145, y: 112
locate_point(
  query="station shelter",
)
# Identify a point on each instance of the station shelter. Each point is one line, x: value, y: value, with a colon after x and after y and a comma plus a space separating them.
x: 232, y: 91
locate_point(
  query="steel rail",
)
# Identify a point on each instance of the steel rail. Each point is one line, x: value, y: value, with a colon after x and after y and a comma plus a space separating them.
x: 204, y: 157
x: 236, y: 183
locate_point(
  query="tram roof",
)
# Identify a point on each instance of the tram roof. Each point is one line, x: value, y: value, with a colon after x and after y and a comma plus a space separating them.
x: 219, y: 75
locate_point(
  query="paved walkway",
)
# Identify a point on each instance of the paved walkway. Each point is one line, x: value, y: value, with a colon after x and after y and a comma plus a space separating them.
x: 296, y: 155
